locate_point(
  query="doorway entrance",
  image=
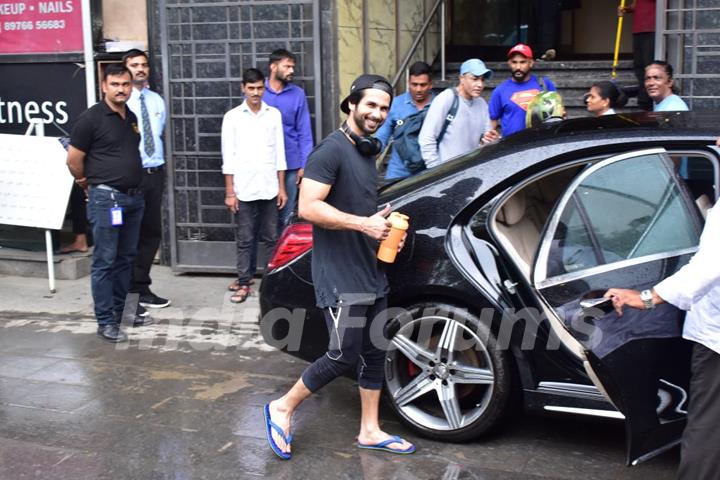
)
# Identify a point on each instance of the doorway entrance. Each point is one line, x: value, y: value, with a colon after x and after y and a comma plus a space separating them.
x: 204, y: 48
x: 577, y: 29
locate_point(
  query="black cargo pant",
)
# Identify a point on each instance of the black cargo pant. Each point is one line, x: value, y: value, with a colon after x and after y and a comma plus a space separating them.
x: 352, y: 346
x: 701, y: 439
x: 152, y: 185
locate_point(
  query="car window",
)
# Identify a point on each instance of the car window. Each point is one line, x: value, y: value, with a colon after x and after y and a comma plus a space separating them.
x: 626, y: 209
x: 700, y: 174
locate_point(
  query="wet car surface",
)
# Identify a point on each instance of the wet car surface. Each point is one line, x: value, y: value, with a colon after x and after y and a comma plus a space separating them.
x: 507, y: 246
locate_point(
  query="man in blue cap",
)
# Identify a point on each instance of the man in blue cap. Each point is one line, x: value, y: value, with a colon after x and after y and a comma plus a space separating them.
x: 458, y: 119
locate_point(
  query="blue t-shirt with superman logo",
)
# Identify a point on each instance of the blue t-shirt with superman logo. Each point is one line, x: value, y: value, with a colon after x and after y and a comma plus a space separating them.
x: 509, y: 102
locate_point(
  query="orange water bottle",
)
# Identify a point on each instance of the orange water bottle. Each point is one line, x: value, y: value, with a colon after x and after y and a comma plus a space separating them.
x: 389, y: 247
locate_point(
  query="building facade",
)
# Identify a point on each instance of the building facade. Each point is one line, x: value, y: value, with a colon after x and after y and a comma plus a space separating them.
x: 199, y: 49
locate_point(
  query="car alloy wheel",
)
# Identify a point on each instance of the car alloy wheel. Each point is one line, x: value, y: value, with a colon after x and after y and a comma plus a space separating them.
x: 445, y: 376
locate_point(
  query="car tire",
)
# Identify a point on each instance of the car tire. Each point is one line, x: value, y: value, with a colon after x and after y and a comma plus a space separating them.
x: 446, y: 396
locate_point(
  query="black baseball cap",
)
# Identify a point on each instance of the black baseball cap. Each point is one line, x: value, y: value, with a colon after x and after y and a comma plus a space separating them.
x: 363, y: 82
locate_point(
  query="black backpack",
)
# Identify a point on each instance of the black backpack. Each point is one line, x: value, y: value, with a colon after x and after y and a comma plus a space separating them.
x: 405, y: 136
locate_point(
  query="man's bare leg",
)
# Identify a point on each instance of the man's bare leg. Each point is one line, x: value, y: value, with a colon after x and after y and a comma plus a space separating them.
x: 281, y: 411
x: 370, y: 432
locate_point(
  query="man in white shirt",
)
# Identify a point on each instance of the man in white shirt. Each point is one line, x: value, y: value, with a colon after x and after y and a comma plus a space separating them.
x: 695, y: 288
x: 254, y: 166
x: 149, y: 108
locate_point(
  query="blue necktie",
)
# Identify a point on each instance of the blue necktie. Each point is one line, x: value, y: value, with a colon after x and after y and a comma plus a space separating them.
x: 148, y: 142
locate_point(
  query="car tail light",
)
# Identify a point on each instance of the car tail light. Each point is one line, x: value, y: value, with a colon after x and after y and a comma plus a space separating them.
x: 295, y: 240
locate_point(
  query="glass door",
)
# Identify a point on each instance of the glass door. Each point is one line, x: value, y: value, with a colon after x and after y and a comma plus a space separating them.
x: 489, y: 27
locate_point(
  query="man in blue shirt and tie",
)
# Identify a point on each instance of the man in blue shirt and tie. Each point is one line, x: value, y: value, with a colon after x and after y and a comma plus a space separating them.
x: 418, y: 96
x: 149, y: 107
x: 290, y: 99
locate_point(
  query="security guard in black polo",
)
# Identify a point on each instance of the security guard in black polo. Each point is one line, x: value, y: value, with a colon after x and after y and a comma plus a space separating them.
x: 105, y: 161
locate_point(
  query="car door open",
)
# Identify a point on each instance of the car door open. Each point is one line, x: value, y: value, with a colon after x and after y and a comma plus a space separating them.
x: 627, y: 222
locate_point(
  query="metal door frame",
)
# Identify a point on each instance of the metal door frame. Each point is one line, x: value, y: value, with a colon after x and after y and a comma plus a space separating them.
x: 163, y: 7
x: 670, y: 43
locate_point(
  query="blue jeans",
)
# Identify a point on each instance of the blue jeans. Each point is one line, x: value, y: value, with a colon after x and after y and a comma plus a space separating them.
x: 292, y: 191
x: 115, y: 249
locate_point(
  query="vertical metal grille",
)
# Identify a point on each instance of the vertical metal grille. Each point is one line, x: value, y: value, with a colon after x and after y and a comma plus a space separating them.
x: 688, y: 35
x: 206, y: 46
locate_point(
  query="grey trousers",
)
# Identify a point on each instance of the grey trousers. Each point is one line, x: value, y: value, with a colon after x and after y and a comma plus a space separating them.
x: 699, y: 459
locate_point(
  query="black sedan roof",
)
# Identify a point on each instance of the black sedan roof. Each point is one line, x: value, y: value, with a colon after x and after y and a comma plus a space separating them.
x: 582, y: 136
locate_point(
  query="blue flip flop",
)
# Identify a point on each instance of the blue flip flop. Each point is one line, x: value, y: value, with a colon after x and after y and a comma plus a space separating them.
x: 385, y: 446
x: 269, y: 427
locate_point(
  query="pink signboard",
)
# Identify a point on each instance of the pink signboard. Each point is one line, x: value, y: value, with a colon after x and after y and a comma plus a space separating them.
x: 33, y: 26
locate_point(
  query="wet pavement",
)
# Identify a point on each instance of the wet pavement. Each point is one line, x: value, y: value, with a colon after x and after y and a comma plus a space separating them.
x: 183, y: 400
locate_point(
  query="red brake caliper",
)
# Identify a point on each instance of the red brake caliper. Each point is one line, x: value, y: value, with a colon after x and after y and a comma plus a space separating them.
x: 413, y: 369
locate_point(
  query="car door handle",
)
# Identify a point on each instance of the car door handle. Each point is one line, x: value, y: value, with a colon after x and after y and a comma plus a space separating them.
x: 510, y: 286
x: 601, y: 303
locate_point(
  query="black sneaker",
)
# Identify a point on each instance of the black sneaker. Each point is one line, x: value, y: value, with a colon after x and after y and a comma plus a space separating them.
x: 153, y: 301
x: 139, y: 321
x: 112, y: 333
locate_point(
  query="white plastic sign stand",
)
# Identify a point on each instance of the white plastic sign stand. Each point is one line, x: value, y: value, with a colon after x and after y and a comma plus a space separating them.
x: 35, y: 184
x: 40, y: 132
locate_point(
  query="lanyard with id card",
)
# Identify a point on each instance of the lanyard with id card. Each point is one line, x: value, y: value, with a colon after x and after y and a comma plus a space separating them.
x: 116, y: 213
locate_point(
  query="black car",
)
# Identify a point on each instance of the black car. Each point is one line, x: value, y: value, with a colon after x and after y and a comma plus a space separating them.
x: 497, y: 292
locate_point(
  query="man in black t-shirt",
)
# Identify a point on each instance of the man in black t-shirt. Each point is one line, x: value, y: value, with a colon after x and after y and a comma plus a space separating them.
x: 338, y: 195
x: 105, y: 161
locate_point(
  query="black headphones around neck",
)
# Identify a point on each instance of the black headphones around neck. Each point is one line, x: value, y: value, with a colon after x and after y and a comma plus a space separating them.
x: 366, y: 145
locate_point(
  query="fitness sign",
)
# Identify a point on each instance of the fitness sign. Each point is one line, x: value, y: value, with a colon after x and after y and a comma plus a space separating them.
x: 34, y: 26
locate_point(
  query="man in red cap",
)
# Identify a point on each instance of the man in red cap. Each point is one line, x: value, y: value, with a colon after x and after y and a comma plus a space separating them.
x: 509, y: 101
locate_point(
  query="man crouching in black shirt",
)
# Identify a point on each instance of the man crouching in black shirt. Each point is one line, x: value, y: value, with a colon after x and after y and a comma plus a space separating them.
x: 105, y: 161
x: 338, y: 195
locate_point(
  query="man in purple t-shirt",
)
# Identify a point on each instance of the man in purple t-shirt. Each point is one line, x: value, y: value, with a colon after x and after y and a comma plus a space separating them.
x: 290, y: 99
x: 509, y: 101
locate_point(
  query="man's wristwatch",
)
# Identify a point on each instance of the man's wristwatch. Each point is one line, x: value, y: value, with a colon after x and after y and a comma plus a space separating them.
x: 647, y: 298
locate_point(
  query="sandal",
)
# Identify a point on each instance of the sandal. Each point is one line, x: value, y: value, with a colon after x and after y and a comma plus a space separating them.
x: 240, y: 294
x: 385, y: 446
x: 235, y: 285
x: 71, y: 249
